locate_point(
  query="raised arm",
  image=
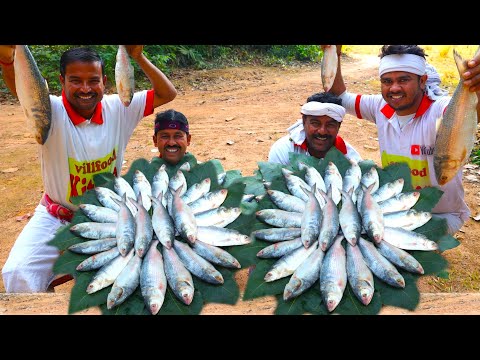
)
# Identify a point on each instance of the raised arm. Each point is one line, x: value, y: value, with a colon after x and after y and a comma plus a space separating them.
x: 164, y: 89
x: 472, y: 78
x: 338, y: 86
x: 7, y: 53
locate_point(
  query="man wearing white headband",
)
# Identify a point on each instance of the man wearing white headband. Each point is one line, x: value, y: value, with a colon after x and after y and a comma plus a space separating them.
x: 406, y: 114
x: 316, y: 132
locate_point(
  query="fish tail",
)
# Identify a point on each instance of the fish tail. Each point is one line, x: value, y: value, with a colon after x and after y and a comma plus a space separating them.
x: 460, y: 62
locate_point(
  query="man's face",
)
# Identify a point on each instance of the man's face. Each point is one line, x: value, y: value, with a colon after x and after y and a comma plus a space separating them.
x: 321, y: 132
x: 172, y: 144
x: 403, y: 91
x: 84, y: 86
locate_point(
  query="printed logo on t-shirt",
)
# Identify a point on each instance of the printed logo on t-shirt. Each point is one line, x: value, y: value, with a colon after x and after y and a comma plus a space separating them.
x: 421, y: 150
x: 418, y: 169
x: 82, y: 172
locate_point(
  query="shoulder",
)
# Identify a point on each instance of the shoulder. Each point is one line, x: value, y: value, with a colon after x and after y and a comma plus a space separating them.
x: 283, y: 143
x: 352, y: 153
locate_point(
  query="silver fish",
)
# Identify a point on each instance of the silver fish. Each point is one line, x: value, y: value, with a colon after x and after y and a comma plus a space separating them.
x: 32, y: 93
x: 286, y: 202
x: 108, y: 273
x: 280, y: 249
x: 280, y: 218
x: 304, y: 276
x: 178, y: 277
x: 93, y: 246
x: 215, y: 255
x: 94, y: 230
x: 125, y: 283
x: 124, y: 76
x: 359, y: 275
x: 99, y: 213
x: 277, y: 234
x: 379, y: 265
x: 333, y: 274
x: 328, y: 67
x: 217, y: 236
x: 141, y: 185
x: 162, y: 223
x: 286, y: 265
x: 96, y: 261
x: 400, y: 257
x: 197, y: 265
x: 408, y: 240
x: 153, y: 282
x: 457, y: 132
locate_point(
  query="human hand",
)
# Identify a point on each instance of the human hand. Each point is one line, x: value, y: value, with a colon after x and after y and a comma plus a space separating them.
x: 339, y: 48
x: 7, y: 53
x: 134, y: 51
x: 472, y: 75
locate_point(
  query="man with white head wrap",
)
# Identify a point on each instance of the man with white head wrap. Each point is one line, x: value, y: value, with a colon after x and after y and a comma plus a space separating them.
x: 316, y: 132
x: 406, y: 114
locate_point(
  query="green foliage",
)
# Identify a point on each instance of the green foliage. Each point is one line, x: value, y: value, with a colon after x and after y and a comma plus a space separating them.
x: 310, y: 301
x: 227, y: 293
x: 170, y: 57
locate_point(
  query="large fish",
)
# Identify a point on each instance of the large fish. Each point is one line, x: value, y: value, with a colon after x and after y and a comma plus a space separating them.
x: 124, y: 76
x: 328, y: 67
x: 457, y: 131
x: 32, y: 92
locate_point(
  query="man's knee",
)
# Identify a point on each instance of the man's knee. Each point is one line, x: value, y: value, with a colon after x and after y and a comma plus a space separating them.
x: 20, y: 279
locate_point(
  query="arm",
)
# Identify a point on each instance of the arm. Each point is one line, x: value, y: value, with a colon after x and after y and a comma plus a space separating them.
x: 7, y: 57
x: 164, y: 89
x: 472, y: 78
x: 338, y: 86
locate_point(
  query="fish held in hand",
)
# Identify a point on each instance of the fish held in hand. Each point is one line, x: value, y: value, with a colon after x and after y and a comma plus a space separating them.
x: 124, y: 76
x: 32, y: 92
x: 329, y: 67
x: 456, y: 134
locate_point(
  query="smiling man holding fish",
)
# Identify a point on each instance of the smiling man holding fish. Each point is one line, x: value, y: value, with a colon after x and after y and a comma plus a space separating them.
x: 407, y: 114
x: 81, y: 133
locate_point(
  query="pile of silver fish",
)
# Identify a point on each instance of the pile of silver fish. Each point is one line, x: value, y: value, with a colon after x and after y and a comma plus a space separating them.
x: 156, y: 234
x: 309, y: 225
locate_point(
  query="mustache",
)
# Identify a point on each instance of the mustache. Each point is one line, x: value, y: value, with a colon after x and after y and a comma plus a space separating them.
x: 326, y: 136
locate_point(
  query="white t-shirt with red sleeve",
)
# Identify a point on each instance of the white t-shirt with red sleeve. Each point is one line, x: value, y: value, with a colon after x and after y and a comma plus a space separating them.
x: 76, y: 149
x: 414, y: 144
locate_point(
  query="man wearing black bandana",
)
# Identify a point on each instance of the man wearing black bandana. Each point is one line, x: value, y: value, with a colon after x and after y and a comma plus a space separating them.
x: 171, y: 135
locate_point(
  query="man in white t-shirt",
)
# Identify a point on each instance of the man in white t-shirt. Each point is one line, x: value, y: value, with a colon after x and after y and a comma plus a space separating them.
x: 406, y: 114
x: 316, y: 132
x: 87, y: 135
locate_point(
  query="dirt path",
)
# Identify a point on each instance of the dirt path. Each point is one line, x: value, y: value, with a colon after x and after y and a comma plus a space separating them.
x: 251, y: 106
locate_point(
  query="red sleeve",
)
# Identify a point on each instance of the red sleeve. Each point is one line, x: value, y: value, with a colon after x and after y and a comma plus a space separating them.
x: 357, y: 106
x: 340, y: 145
x: 149, y: 103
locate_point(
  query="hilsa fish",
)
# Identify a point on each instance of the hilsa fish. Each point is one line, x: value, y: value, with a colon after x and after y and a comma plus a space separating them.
x: 328, y: 66
x: 32, y: 92
x: 124, y: 76
x: 456, y: 133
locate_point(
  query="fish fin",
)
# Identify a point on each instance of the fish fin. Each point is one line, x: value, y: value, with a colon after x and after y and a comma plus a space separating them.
x: 464, y: 155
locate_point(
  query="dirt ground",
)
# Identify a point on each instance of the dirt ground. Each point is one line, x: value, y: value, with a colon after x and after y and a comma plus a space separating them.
x: 251, y: 106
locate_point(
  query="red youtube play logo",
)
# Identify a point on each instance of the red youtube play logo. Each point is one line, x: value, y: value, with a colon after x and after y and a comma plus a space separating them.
x: 415, y: 150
